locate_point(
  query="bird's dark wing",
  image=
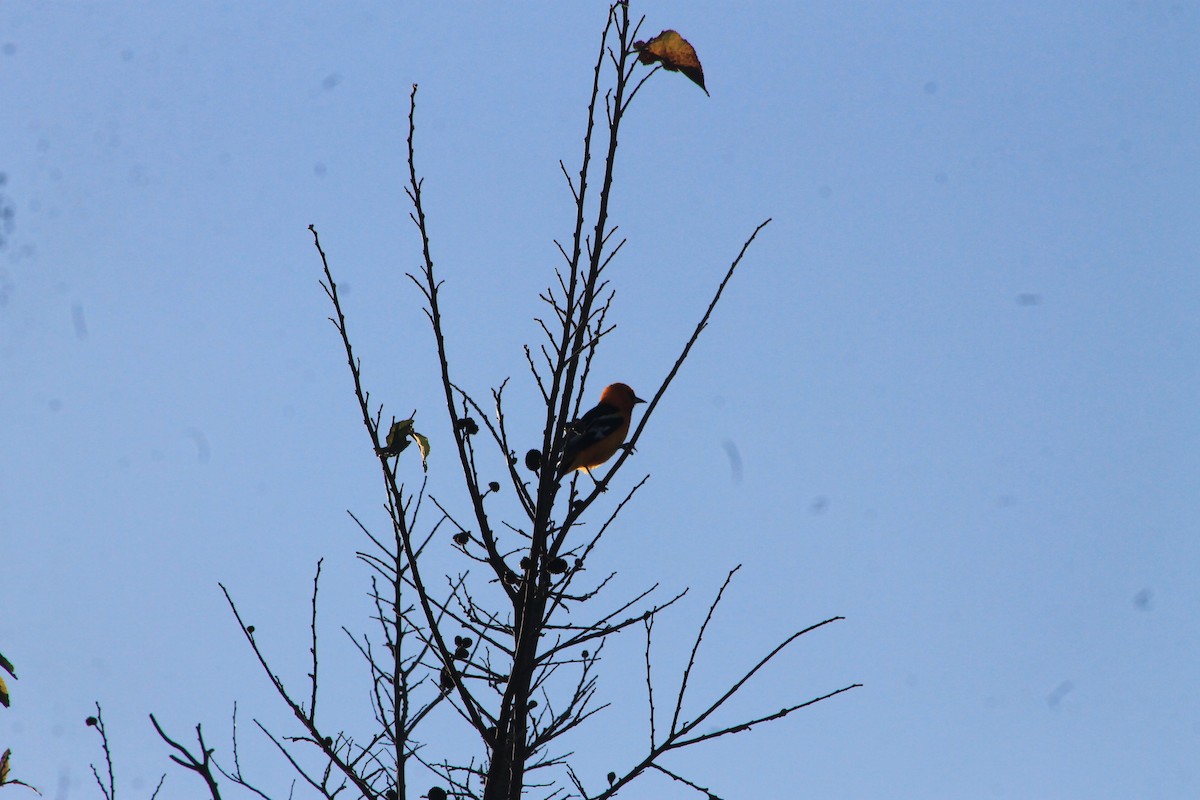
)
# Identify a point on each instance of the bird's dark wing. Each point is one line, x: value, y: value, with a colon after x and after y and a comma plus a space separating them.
x: 587, y: 430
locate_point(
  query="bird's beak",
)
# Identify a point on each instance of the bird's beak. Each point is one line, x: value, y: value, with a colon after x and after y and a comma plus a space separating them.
x: 637, y: 400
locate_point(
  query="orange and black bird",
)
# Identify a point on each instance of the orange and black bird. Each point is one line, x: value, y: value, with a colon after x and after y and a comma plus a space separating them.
x: 593, y: 438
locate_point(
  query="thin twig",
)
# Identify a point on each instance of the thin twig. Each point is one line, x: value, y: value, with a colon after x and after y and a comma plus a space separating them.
x: 649, y: 622
x: 696, y: 647
x: 201, y: 765
x: 109, y: 791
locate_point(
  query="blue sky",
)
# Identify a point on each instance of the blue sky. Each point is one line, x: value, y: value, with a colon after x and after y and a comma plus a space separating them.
x: 961, y: 367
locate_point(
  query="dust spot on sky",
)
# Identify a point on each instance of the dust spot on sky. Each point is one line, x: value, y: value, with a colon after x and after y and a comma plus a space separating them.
x: 201, y: 441
x: 1062, y: 690
x: 78, y: 322
x: 735, y: 460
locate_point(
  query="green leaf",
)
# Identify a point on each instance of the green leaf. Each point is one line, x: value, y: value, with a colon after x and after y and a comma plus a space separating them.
x: 400, y: 436
x: 397, y: 438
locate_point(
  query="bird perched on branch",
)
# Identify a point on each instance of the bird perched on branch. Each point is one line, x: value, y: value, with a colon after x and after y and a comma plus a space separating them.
x: 593, y: 438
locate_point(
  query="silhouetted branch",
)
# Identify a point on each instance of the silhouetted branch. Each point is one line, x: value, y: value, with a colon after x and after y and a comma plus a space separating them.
x: 678, y: 735
x: 108, y: 787
x: 202, y: 764
x: 687, y: 671
x: 679, y: 778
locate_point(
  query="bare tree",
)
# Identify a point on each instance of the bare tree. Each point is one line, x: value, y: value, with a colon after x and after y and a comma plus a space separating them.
x: 521, y: 672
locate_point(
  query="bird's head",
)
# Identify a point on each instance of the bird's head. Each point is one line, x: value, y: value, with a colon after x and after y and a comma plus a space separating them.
x: 620, y: 395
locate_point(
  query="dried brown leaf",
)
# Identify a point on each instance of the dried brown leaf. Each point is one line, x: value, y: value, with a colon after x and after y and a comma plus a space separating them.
x: 675, y: 53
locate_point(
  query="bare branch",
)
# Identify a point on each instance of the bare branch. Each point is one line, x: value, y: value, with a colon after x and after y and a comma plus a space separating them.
x: 742, y: 682
x: 679, y: 778
x: 202, y: 765
x: 325, y: 743
x: 687, y: 348
x: 745, y: 726
x: 108, y: 787
x: 312, y: 705
x: 696, y: 647
x: 649, y: 623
